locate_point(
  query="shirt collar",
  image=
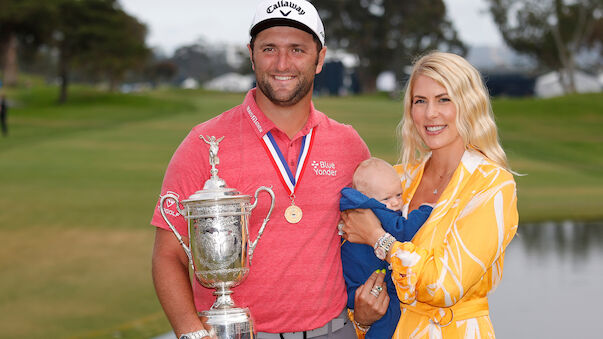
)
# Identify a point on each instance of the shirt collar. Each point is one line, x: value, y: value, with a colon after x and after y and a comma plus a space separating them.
x: 261, y: 124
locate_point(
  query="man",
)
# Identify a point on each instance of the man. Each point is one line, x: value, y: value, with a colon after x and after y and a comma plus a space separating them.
x: 295, y: 288
x: 3, y: 114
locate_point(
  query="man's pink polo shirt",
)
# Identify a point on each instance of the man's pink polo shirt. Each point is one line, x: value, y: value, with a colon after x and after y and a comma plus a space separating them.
x: 295, y: 281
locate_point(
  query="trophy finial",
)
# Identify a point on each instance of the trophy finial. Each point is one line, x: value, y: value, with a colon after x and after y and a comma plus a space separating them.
x: 214, y: 181
x: 213, y: 152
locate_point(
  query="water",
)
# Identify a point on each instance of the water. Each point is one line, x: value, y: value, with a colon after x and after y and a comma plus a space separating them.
x: 552, y: 284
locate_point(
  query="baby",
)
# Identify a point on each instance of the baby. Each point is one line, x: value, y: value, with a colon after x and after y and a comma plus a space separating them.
x: 377, y: 186
x: 377, y: 179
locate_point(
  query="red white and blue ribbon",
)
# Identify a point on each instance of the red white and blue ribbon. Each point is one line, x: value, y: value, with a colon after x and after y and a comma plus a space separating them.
x: 289, y: 181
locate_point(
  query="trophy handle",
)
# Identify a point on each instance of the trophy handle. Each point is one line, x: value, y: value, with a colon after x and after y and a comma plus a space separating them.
x: 187, y: 250
x: 254, y: 243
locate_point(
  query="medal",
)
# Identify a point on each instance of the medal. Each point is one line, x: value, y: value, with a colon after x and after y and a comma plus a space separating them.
x: 293, y: 213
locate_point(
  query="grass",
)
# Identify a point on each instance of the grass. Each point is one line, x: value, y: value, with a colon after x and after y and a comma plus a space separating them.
x: 559, y: 145
x: 78, y: 183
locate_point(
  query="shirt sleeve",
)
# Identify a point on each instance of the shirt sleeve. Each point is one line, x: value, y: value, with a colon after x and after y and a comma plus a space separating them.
x: 441, y: 275
x: 186, y: 173
x: 361, y: 149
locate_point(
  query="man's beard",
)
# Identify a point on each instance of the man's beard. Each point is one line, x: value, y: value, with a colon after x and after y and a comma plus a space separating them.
x: 300, y: 91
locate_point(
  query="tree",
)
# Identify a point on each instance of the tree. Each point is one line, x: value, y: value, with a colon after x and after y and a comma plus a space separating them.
x: 23, y: 24
x: 94, y: 36
x: 201, y: 61
x: 551, y: 31
x: 100, y: 38
x: 119, y: 47
x: 387, y: 34
x: 160, y: 71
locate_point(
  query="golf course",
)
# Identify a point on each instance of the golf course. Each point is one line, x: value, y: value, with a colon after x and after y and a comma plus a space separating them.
x: 79, y: 181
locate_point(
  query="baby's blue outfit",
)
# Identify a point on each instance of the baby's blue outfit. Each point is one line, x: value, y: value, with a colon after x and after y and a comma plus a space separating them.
x: 359, y: 260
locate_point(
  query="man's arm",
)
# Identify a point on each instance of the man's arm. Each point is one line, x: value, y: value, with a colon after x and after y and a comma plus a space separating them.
x: 172, y: 284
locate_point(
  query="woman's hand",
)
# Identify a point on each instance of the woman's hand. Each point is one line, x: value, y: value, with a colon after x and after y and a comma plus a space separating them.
x: 369, y: 308
x: 361, y: 226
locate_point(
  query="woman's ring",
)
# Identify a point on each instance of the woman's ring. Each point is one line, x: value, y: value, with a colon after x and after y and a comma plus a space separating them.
x: 376, y: 290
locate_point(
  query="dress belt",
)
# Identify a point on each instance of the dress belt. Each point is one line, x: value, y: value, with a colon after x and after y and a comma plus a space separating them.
x: 444, y: 316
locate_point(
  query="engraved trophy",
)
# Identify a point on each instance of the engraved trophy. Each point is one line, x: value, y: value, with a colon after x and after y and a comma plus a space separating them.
x: 220, y: 249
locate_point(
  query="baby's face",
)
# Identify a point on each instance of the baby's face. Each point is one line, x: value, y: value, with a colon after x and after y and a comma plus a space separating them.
x: 386, y: 188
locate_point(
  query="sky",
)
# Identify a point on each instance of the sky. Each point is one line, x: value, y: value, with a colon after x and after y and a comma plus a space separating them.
x: 175, y: 23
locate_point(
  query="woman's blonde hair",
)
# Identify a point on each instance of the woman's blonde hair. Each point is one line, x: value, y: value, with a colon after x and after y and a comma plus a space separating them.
x: 474, y: 118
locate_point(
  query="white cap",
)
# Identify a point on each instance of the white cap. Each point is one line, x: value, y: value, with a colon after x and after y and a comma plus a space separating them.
x: 295, y: 13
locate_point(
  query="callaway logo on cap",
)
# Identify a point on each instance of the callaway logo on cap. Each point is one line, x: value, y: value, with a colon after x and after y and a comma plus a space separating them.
x: 299, y: 14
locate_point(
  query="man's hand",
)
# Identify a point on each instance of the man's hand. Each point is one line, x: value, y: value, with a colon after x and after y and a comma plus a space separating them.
x: 369, y: 308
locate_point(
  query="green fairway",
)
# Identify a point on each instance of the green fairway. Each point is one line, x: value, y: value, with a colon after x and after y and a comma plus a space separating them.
x: 78, y: 184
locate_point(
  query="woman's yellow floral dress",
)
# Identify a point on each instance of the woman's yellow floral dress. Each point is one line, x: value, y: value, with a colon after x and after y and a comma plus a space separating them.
x: 444, y: 275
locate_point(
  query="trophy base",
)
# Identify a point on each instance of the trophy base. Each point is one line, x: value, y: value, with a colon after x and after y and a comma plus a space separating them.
x: 230, y: 323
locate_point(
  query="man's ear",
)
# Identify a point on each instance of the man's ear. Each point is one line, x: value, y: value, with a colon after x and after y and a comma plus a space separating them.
x: 251, y: 56
x: 321, y: 59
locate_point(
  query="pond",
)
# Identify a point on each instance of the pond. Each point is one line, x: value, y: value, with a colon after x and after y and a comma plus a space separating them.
x: 552, y: 284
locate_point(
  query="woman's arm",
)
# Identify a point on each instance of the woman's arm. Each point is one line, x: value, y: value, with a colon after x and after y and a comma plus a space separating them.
x: 368, y: 308
x: 441, y: 275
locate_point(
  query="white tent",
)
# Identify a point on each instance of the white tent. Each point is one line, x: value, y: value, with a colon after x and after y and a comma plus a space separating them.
x: 549, y: 85
x: 231, y: 82
x: 189, y: 83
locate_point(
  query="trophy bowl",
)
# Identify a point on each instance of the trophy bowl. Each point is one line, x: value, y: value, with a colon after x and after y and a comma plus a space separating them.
x: 220, y: 250
x: 219, y: 241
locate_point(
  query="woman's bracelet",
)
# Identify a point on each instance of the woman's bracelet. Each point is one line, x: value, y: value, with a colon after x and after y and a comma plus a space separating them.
x: 357, y: 325
x: 361, y: 328
x: 383, y: 244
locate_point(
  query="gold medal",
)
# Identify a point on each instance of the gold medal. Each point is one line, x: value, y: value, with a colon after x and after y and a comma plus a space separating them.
x: 289, y: 178
x: 293, y: 214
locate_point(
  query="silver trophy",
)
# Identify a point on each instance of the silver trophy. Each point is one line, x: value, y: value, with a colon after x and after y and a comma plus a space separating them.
x: 220, y: 250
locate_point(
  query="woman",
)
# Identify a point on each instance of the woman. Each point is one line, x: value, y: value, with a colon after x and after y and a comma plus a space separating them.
x: 450, y: 157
